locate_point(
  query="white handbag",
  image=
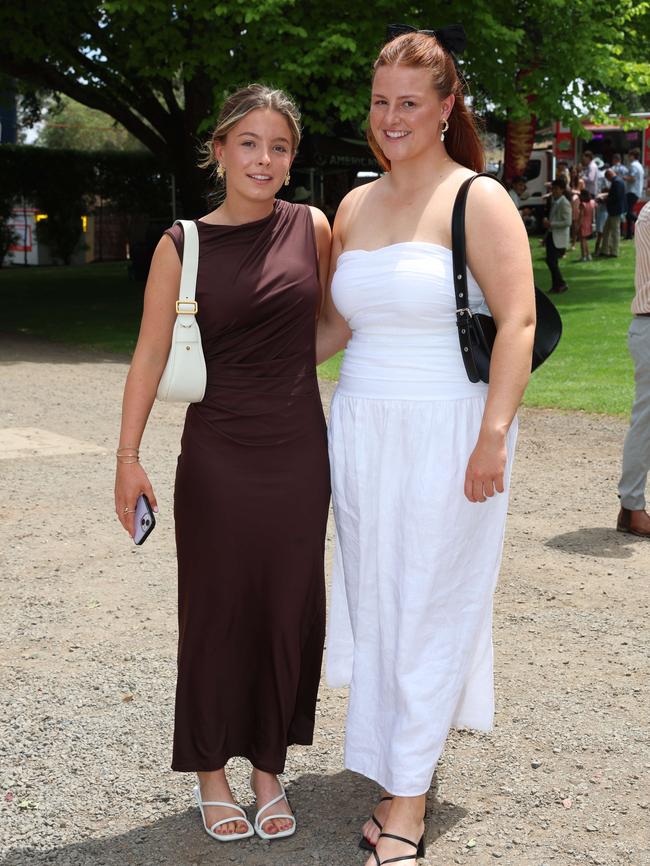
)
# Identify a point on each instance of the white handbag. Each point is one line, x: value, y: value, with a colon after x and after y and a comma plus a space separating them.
x: 184, y: 377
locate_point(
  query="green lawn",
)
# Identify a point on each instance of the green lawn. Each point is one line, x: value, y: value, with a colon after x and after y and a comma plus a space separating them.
x: 90, y: 305
x: 97, y: 305
x: 591, y: 369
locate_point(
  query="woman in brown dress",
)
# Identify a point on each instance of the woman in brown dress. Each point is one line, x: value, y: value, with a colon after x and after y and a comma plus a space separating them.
x: 252, y: 484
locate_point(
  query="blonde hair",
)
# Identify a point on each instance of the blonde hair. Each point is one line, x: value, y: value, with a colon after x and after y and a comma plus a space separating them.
x: 241, y: 103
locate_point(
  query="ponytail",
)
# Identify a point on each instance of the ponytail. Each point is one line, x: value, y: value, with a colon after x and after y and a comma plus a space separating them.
x: 462, y: 140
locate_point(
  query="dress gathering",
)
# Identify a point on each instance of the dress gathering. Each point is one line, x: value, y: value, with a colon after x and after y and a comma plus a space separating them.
x: 410, y: 623
x: 251, y: 500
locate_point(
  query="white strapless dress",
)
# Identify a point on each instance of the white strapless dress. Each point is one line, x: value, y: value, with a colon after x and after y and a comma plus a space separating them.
x: 410, y: 622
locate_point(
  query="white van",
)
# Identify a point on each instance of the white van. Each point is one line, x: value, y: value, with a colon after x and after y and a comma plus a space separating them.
x: 539, y: 173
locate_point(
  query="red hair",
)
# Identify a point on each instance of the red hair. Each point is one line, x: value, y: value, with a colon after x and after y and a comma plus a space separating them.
x: 462, y: 140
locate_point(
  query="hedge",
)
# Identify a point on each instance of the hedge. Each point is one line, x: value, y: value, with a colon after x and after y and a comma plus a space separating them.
x: 67, y: 183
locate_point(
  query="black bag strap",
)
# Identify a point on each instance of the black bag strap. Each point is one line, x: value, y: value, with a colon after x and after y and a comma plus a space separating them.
x: 459, y: 256
x: 458, y: 248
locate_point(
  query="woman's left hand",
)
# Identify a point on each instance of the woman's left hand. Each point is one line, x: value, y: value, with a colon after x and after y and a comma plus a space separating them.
x: 486, y: 467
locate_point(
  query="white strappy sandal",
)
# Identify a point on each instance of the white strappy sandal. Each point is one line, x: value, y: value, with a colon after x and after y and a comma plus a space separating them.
x: 259, y: 825
x: 223, y: 837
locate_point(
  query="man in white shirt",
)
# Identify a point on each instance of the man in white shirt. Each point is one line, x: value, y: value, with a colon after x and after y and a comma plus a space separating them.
x: 633, y: 517
x: 634, y: 188
x: 589, y: 172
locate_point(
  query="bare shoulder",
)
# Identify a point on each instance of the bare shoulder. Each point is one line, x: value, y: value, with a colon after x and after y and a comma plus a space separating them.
x: 322, y: 233
x: 352, y: 203
x: 164, y: 272
x: 352, y: 200
x: 486, y: 191
x: 167, y: 252
x: 490, y: 208
x: 321, y: 223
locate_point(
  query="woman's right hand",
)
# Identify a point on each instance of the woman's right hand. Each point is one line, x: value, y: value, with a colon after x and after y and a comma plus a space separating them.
x: 130, y: 481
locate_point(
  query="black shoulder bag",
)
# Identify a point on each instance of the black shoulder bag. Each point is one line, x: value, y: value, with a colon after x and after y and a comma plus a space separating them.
x: 477, y: 331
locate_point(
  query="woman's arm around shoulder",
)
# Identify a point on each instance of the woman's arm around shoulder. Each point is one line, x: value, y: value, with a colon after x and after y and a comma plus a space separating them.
x: 333, y: 332
x: 498, y: 254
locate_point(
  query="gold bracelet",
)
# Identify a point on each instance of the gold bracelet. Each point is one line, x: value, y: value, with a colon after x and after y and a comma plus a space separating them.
x: 127, y: 448
x: 128, y: 460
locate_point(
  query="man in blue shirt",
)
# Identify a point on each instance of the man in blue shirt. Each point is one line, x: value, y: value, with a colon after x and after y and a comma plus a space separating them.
x: 615, y: 202
x: 617, y: 165
x: 634, y: 190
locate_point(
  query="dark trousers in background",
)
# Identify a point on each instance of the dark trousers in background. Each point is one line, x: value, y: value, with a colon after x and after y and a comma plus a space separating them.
x: 630, y: 216
x: 553, y: 255
x: 611, y: 236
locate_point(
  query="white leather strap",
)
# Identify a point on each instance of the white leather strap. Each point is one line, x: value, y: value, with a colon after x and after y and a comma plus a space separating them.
x: 272, y: 802
x: 190, y: 267
x: 226, y: 806
x: 233, y: 819
x: 261, y: 823
x: 277, y: 799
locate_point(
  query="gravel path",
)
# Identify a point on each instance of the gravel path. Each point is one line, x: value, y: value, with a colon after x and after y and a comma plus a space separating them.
x: 88, y: 653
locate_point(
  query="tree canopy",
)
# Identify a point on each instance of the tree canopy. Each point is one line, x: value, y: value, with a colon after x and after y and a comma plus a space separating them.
x: 161, y: 68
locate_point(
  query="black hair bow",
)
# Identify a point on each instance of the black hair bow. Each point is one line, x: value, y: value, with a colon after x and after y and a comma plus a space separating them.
x: 452, y: 37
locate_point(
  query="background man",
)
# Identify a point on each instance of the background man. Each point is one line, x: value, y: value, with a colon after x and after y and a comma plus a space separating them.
x: 518, y: 189
x: 519, y: 194
x: 617, y: 165
x: 633, y: 517
x: 558, y: 236
x: 589, y: 172
x: 562, y: 170
x: 634, y: 188
x: 615, y: 202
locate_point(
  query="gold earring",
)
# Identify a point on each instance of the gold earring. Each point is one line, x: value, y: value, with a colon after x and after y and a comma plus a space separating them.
x: 287, y: 179
x: 445, y: 127
x: 221, y: 171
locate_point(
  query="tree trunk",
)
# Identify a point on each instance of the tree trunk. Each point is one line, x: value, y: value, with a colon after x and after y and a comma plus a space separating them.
x: 193, y: 186
x: 520, y: 135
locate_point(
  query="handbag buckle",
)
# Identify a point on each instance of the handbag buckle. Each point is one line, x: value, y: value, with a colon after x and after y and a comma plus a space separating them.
x: 194, y: 307
x: 460, y: 313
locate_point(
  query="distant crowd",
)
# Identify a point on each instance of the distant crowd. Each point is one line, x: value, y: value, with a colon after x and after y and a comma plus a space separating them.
x: 587, y: 200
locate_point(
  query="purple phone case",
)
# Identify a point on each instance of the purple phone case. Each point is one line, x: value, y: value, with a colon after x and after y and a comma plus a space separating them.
x: 144, y: 519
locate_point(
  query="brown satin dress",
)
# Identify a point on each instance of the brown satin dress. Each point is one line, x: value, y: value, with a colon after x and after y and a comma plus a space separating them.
x: 251, y: 500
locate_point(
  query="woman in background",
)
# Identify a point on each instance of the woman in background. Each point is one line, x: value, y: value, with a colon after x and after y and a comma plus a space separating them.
x: 586, y: 224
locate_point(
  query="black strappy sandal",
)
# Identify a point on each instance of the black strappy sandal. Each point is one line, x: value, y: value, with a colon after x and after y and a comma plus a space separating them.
x: 418, y: 853
x: 364, y: 844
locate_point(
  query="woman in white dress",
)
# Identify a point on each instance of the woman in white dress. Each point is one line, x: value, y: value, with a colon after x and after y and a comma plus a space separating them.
x: 421, y: 456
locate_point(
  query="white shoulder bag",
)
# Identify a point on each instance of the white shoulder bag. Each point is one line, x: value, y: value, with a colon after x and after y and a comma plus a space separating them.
x: 184, y: 377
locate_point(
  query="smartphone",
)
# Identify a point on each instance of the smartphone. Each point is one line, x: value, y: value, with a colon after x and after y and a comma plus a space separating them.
x: 144, y: 520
